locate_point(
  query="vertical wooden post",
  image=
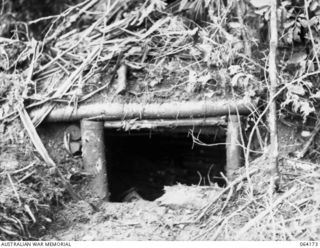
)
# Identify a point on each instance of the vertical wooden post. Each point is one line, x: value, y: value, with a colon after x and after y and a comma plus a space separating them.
x: 94, y: 158
x: 233, y: 147
x: 272, y: 93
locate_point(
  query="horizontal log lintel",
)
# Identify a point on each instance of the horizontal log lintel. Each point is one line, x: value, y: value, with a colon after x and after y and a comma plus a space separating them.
x: 169, y: 124
x: 141, y: 111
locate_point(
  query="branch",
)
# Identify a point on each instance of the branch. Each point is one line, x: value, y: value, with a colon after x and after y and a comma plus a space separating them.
x: 305, y: 148
x: 264, y: 213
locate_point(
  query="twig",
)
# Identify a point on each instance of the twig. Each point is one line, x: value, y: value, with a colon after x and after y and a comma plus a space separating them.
x: 226, y: 220
x: 247, y: 47
x: 315, y: 52
x: 28, y: 210
x: 26, y: 176
x: 207, y: 210
x: 14, y: 189
x: 209, y: 230
x: 226, y: 202
x: 20, y: 170
x: 72, y: 18
x: 42, y: 19
x: 260, y: 216
x: 11, y: 233
x: 305, y: 148
x: 304, y: 165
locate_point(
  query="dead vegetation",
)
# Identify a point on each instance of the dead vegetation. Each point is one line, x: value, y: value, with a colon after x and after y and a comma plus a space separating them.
x: 154, y: 51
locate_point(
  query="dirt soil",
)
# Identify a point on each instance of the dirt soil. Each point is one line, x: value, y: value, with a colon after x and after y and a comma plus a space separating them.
x: 170, y: 217
x: 141, y: 220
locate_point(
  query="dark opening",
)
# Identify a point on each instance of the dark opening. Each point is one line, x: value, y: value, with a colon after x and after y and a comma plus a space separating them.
x: 146, y: 162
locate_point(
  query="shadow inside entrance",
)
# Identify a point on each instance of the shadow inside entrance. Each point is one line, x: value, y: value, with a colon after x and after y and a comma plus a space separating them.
x: 143, y: 163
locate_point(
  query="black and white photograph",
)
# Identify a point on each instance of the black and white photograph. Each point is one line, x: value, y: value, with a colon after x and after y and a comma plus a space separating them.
x: 159, y: 120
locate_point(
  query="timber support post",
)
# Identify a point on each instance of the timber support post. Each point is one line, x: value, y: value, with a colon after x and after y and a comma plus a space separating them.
x: 233, y: 146
x: 94, y: 158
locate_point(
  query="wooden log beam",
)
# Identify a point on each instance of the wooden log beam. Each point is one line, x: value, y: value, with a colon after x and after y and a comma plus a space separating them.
x: 134, y: 124
x: 169, y: 110
x: 94, y: 158
x: 233, y: 146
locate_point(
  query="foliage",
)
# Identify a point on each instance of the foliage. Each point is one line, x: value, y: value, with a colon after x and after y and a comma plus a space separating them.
x: 299, y: 32
x: 29, y: 189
